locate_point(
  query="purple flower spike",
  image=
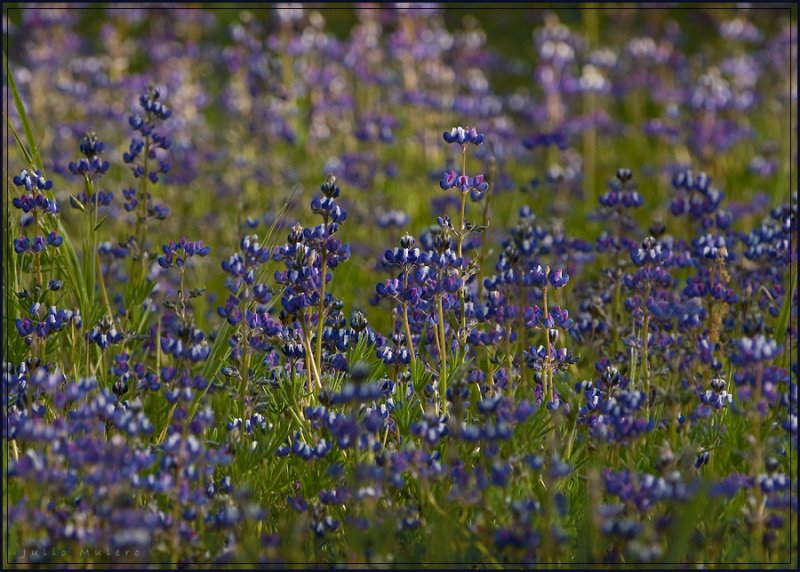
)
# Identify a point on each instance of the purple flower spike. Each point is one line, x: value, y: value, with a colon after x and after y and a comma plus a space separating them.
x: 22, y: 244
x: 559, y: 279
x: 462, y: 136
x: 53, y: 239
x: 464, y: 183
x: 456, y: 135
x: 474, y: 137
x: 448, y: 180
x: 480, y: 184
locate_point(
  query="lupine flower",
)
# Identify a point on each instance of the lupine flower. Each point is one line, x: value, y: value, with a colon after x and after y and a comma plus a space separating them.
x: 92, y: 166
x: 178, y: 253
x: 463, y: 136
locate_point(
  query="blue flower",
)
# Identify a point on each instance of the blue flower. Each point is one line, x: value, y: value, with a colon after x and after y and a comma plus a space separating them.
x: 559, y: 278
x: 463, y: 136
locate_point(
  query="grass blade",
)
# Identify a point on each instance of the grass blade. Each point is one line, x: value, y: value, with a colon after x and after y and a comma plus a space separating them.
x: 23, y: 117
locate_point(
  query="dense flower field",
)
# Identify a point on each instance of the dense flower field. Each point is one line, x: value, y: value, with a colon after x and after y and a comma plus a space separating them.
x: 400, y: 285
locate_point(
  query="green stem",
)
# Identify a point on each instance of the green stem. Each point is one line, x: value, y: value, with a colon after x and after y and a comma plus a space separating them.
x: 103, y: 286
x: 786, y: 312
x: 758, y: 533
x: 616, y: 316
x: 182, y: 292
x: 461, y: 230
x: 244, y: 364
x: 407, y: 328
x: 89, y: 242
x: 523, y: 335
x: 105, y: 374
x: 485, y: 223
x: 547, y: 373
x: 297, y: 411
x: 633, y: 356
x: 36, y: 255
x: 141, y: 222
x: 442, y: 355
x: 311, y: 365
x: 321, y: 309
x: 645, y: 344
x: 73, y: 345
x: 509, y: 329
x: 463, y: 198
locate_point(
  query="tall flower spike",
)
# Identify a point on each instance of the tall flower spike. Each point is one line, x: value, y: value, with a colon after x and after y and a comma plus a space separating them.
x: 92, y: 165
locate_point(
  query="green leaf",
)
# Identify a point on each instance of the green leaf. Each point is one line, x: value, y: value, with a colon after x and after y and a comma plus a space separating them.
x: 20, y: 144
x: 786, y: 311
x: 77, y: 203
x: 23, y: 117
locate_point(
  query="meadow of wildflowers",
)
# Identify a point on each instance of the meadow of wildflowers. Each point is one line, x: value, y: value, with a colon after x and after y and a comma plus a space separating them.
x: 399, y: 285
